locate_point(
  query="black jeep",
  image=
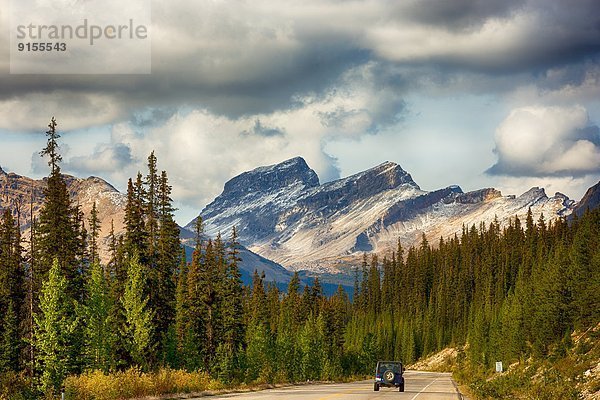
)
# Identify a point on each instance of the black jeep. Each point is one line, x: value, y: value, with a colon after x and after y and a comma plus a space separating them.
x: 389, y: 374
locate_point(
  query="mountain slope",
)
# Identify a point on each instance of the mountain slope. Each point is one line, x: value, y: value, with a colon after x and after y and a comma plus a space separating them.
x: 283, y: 214
x: 24, y: 196
x: 590, y: 200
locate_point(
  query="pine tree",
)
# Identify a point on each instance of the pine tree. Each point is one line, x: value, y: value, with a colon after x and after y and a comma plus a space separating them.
x: 273, y: 305
x: 231, y: 308
x: 10, y: 340
x: 94, y: 235
x: 135, y: 234
x: 316, y: 297
x: 12, y: 292
x: 181, y: 308
x: 116, y: 267
x: 55, y: 327
x: 98, y: 317
x: 195, y: 325
x: 583, y: 275
x: 259, y: 353
x: 311, y: 342
x: 167, y: 255
x: 150, y: 209
x: 60, y: 231
x: 374, y: 285
x: 388, y: 286
x: 138, y: 328
x: 258, y: 312
x: 362, y: 298
x: 209, y: 282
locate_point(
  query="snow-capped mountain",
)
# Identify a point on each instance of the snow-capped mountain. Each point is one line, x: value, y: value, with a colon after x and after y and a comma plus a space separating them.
x: 284, y: 214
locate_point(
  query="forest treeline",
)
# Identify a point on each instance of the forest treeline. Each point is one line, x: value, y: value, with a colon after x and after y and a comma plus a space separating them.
x: 509, y: 292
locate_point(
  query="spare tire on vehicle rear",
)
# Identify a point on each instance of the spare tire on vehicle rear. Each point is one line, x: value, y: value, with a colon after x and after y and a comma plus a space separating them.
x: 388, y: 376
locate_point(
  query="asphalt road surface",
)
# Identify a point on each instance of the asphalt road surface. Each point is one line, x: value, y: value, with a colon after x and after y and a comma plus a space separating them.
x: 419, y: 386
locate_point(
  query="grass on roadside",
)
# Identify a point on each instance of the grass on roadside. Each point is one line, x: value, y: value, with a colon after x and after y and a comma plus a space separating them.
x: 133, y: 383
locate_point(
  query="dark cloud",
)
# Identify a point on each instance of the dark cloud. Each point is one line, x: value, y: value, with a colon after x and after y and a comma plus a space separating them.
x: 492, y: 37
x: 456, y: 14
x: 262, y: 130
x: 153, y: 116
x: 244, y: 59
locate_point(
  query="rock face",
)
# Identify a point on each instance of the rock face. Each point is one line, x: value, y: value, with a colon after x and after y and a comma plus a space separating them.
x: 590, y: 200
x: 249, y: 200
x: 283, y: 214
x: 25, y: 196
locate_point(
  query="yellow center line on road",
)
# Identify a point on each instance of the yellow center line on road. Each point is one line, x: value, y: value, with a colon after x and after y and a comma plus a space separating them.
x: 422, y: 390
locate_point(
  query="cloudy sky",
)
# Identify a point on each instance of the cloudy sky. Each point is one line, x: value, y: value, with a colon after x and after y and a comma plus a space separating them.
x: 478, y: 93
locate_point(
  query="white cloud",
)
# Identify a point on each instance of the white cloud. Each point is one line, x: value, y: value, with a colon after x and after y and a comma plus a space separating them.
x: 547, y: 141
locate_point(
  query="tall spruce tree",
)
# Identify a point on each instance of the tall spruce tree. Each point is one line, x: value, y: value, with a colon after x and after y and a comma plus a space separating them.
x: 135, y: 234
x: 194, y: 341
x: 232, y: 309
x: 94, y: 235
x: 98, y: 317
x: 60, y: 227
x: 138, y: 327
x: 55, y: 330
x: 181, y: 309
x: 168, y: 253
x: 12, y: 293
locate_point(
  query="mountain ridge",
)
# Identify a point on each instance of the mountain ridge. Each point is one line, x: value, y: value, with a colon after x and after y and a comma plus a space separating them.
x: 24, y: 196
x: 286, y: 217
x: 321, y: 227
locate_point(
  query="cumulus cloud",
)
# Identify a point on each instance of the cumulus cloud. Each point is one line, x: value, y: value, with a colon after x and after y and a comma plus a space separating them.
x: 547, y: 141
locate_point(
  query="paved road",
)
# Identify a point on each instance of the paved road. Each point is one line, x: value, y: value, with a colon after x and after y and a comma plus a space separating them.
x: 419, y: 386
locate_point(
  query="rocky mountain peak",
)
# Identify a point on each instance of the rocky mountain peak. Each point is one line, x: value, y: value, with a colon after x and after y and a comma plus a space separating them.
x: 392, y: 173
x: 533, y: 195
x: 271, y: 178
x: 383, y: 177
